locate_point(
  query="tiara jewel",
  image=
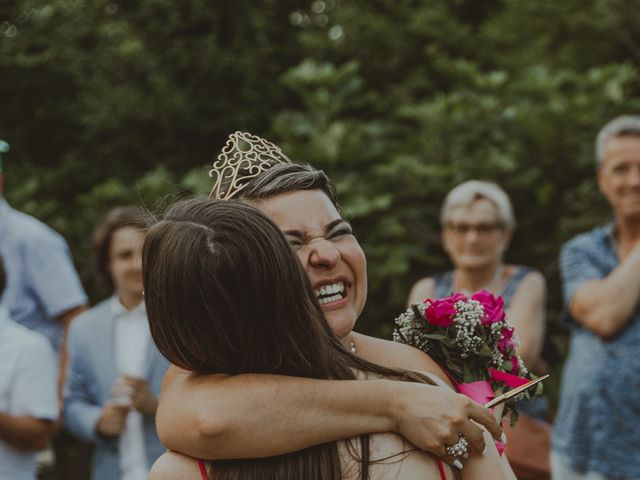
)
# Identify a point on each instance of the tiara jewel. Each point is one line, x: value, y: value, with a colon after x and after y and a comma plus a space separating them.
x: 243, y: 157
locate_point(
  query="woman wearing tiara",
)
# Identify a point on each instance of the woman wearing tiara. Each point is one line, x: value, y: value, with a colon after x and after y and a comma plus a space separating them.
x: 214, y: 274
x: 219, y: 416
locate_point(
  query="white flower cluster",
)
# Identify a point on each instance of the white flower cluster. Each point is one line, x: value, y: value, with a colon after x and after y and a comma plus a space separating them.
x: 496, y: 358
x: 496, y: 333
x: 404, y: 324
x: 496, y: 328
x: 468, y: 319
x: 405, y: 328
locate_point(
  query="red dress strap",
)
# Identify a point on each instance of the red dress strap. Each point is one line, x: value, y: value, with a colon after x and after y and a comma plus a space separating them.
x: 443, y: 474
x: 203, y: 471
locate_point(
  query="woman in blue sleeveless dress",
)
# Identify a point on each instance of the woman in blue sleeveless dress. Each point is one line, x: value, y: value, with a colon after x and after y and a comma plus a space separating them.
x: 477, y: 224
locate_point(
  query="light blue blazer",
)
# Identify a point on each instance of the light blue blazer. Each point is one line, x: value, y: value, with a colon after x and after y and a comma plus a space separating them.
x: 91, y: 373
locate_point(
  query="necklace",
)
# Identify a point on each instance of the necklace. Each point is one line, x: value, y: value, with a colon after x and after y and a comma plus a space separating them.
x: 353, y: 346
x: 493, y: 283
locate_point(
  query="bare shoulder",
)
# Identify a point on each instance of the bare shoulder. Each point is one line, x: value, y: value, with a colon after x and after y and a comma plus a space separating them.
x: 533, y: 285
x: 392, y: 457
x: 396, y: 355
x: 422, y: 289
x: 534, y: 277
x: 173, y: 375
x: 174, y: 466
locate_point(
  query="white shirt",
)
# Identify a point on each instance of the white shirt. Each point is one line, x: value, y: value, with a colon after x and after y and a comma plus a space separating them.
x: 132, y: 339
x: 28, y: 373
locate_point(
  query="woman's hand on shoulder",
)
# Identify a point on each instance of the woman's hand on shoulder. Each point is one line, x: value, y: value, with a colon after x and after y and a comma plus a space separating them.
x: 433, y: 417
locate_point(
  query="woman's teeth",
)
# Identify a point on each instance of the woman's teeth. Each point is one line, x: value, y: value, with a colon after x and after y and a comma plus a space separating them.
x: 330, y: 293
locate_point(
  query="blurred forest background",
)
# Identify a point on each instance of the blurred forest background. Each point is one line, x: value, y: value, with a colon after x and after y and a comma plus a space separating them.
x: 106, y: 103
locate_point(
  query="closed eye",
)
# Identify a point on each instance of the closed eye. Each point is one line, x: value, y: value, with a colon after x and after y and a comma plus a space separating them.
x: 341, y: 232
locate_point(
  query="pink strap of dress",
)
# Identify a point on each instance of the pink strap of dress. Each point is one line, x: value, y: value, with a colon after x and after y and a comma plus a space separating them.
x: 203, y: 470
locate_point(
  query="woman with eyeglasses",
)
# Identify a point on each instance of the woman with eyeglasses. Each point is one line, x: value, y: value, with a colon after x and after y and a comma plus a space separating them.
x: 477, y: 225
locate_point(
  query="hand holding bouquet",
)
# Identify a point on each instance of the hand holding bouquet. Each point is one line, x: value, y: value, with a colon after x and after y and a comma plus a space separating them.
x: 472, y: 340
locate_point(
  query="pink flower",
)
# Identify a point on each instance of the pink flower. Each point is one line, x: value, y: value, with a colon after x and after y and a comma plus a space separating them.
x: 456, y: 297
x: 510, y: 380
x: 515, y: 365
x: 493, y: 307
x: 441, y: 312
x: 506, y: 342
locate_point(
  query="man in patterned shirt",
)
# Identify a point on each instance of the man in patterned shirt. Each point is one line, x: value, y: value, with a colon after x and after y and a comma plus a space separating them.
x: 597, y: 433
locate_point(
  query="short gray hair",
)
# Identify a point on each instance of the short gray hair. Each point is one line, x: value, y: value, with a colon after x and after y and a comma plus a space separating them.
x: 468, y: 192
x: 285, y: 178
x: 619, y: 126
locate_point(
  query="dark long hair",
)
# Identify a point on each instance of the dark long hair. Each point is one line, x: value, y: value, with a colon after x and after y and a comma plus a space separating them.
x: 225, y: 293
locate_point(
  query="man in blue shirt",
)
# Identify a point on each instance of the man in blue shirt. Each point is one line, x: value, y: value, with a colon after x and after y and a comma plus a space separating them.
x: 43, y: 290
x: 597, y: 433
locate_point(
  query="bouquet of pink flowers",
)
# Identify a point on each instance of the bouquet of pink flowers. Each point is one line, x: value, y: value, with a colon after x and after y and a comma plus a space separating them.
x: 471, y: 339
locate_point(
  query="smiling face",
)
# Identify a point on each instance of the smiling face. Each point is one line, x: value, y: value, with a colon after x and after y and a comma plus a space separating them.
x: 331, y: 256
x: 619, y: 176
x: 474, y: 237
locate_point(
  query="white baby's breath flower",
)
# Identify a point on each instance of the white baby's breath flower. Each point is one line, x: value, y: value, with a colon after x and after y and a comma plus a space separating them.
x: 406, y: 328
x: 523, y: 369
x: 496, y: 328
x: 496, y: 358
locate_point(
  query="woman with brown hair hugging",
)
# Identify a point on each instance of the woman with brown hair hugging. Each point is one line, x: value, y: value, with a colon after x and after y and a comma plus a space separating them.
x: 226, y: 294
x: 255, y: 415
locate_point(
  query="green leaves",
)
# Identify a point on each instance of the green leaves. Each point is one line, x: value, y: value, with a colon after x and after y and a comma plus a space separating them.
x: 106, y: 102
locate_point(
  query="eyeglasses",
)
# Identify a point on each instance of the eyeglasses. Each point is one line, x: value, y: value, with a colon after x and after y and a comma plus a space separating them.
x: 481, y: 229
